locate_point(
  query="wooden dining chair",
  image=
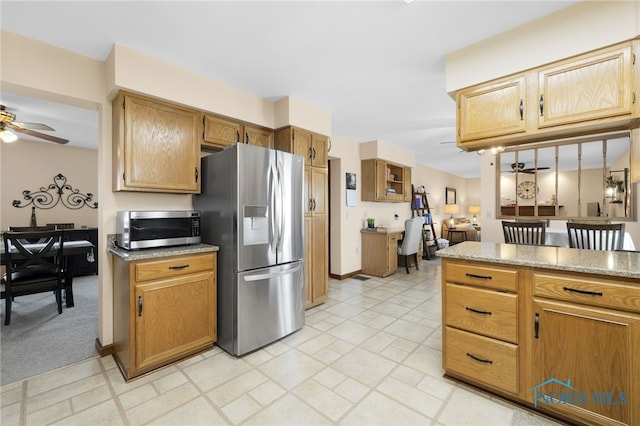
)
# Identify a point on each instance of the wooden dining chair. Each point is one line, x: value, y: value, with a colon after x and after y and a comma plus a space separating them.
x: 32, y: 268
x: 596, y: 236
x: 532, y: 232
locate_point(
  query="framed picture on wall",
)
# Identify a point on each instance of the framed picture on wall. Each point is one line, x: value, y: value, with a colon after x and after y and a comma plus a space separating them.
x: 450, y: 195
x: 351, y: 180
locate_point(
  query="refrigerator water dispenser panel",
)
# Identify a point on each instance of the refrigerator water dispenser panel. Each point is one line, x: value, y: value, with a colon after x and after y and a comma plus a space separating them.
x: 255, y: 225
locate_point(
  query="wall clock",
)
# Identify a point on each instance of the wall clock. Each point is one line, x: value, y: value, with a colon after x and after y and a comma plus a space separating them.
x: 527, y: 190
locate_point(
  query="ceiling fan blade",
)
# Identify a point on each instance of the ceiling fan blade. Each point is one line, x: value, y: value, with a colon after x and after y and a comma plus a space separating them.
x: 35, y: 126
x: 39, y: 135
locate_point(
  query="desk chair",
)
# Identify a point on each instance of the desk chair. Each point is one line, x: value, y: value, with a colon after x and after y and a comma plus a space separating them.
x: 411, y: 240
x: 31, y: 268
x: 532, y: 233
x: 596, y: 236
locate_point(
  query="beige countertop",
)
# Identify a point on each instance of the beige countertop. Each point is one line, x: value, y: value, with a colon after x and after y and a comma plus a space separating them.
x: 619, y: 264
x: 151, y: 253
x: 382, y: 230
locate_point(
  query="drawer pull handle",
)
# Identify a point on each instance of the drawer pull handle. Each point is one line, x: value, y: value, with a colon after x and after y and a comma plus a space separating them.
x: 536, y: 326
x: 477, y: 311
x: 486, y: 361
x: 179, y: 266
x: 482, y: 277
x: 587, y: 292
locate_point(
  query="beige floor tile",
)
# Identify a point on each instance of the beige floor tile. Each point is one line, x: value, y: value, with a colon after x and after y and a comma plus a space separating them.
x: 257, y: 358
x: 344, y: 310
x: 227, y: 392
x: 108, y: 362
x: 301, y: 336
x: 106, y: 414
x: 138, y: 395
x: 193, y: 413
x: 277, y: 348
x: 408, y: 330
x: 266, y: 393
x: 465, y: 407
x: 162, y: 404
x: 353, y: 390
x: 326, y: 356
x: 330, y: 377
x: 289, y: 411
x: 391, y: 309
x: 63, y: 376
x: 437, y: 386
x: 407, y: 375
x: 377, y: 409
x: 66, y: 391
x: 364, y: 366
x: 240, y: 409
x: 410, y: 396
x: 341, y: 346
x: 281, y: 367
x: 323, y: 326
x: 378, y: 342
x: 50, y: 414
x: 10, y: 414
x: 317, y: 343
x: 11, y: 395
x: 426, y: 360
x: 90, y: 398
x: 213, y: 372
x: 169, y: 382
x: 352, y: 332
x: 323, y: 399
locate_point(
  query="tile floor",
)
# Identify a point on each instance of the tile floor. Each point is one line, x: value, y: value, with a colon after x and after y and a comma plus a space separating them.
x: 370, y: 355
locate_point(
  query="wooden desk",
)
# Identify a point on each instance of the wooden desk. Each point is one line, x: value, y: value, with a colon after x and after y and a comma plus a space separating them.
x: 380, y: 251
x: 71, y: 249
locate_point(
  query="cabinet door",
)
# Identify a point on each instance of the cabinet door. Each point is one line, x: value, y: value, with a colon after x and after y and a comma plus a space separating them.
x: 220, y: 132
x: 381, y: 180
x: 589, y: 357
x: 392, y: 253
x: 406, y: 183
x: 319, y: 150
x: 589, y: 87
x: 302, y: 144
x: 161, y: 148
x: 258, y: 136
x: 319, y: 190
x: 173, y: 317
x: 320, y: 249
x: 492, y: 110
x: 308, y: 262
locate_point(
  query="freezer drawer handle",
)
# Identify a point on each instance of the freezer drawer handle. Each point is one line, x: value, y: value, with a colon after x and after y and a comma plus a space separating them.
x: 179, y: 267
x: 259, y: 277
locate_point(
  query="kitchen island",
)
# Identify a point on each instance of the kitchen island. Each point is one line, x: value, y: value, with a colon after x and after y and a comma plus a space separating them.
x: 164, y: 305
x: 554, y: 329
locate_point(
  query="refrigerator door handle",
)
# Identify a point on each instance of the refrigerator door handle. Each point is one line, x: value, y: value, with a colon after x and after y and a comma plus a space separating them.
x: 272, y: 207
x: 281, y: 209
x: 259, y: 277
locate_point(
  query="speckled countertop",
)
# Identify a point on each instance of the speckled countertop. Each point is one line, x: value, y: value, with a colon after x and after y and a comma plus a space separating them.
x: 619, y: 264
x: 151, y: 253
x: 382, y: 230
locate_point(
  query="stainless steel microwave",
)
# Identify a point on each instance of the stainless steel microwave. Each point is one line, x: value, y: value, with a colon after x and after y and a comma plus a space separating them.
x: 147, y: 229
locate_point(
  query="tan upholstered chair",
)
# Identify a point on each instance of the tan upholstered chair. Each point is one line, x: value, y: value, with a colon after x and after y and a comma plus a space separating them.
x: 411, y: 240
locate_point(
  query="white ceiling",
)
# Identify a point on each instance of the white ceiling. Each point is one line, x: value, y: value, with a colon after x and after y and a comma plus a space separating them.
x: 378, y: 66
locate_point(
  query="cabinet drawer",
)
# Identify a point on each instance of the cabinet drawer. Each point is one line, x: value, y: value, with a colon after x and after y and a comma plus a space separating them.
x: 485, y: 312
x: 482, y: 276
x: 590, y: 291
x: 482, y: 359
x: 174, y: 266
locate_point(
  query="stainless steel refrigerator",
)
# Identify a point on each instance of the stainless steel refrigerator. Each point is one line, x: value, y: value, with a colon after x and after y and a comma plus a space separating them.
x: 251, y: 206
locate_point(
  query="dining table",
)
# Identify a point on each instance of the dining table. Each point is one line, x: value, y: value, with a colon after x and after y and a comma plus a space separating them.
x: 560, y: 237
x: 71, y: 248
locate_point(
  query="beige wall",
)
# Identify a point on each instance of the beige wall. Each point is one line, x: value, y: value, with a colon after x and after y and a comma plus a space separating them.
x: 576, y: 29
x: 29, y: 165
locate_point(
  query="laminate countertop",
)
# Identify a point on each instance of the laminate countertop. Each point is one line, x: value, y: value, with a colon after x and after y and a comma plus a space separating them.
x: 612, y: 263
x: 382, y: 230
x: 152, y: 253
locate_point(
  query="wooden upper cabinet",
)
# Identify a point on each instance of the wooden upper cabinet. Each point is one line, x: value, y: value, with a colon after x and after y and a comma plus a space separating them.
x: 493, y: 109
x: 312, y: 146
x: 220, y: 132
x: 385, y: 181
x: 406, y: 183
x: 258, y: 136
x: 156, y: 146
x: 588, y: 87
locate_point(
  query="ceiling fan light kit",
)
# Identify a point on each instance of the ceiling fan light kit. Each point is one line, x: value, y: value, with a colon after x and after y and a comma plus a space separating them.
x: 9, y: 126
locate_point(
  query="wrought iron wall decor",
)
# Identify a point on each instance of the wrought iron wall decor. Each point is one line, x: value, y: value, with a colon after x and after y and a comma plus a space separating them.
x: 49, y: 197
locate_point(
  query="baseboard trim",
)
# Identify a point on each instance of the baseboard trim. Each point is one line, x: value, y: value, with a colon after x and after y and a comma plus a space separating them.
x: 103, y: 350
x: 345, y: 276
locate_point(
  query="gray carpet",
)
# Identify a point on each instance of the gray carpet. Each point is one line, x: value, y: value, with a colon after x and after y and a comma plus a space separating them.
x: 39, y: 340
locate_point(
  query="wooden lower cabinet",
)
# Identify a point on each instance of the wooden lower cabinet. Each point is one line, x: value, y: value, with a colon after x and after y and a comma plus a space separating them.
x: 164, y: 310
x: 563, y: 343
x: 380, y: 253
x: 315, y: 260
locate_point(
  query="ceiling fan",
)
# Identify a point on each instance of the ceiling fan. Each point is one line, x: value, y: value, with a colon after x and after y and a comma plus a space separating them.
x: 519, y: 167
x: 8, y: 126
